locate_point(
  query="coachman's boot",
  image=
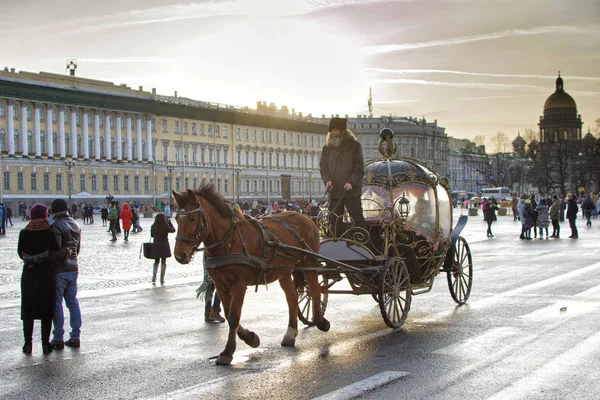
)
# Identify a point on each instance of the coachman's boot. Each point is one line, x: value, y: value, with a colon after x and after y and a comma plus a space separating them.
x: 215, y: 316
x: 207, y: 314
x: 163, y: 269
x: 154, y: 271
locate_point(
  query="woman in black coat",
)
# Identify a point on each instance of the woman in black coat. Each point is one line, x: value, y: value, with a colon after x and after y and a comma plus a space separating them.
x: 37, y: 282
x: 489, y: 216
x: 572, y: 210
x: 161, y: 250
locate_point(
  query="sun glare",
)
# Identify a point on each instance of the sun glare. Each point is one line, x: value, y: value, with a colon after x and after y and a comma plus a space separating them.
x: 300, y: 64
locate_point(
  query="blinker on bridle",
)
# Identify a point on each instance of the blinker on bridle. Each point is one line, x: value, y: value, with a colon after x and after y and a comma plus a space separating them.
x: 203, y: 225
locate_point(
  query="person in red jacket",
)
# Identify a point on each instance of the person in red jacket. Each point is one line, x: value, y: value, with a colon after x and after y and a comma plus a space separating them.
x: 126, y: 217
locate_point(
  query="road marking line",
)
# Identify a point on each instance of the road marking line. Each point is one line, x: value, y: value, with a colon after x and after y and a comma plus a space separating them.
x: 549, y: 374
x: 358, y: 388
x: 573, y: 306
x: 476, y: 345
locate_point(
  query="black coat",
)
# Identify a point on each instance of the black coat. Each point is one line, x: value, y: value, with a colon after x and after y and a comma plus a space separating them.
x: 37, y: 280
x: 489, y: 212
x: 160, y: 231
x: 341, y: 165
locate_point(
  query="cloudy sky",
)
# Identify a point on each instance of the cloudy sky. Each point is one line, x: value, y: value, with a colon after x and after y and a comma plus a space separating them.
x: 478, y: 66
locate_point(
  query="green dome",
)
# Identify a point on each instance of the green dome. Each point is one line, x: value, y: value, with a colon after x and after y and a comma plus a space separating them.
x: 560, y: 98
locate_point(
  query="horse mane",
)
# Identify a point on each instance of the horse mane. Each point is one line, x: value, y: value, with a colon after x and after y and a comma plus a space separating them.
x: 208, y: 192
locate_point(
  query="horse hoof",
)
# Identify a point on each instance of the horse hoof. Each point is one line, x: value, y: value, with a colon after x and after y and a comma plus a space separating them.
x: 224, y: 360
x: 288, y: 342
x: 324, y: 325
x: 253, y: 341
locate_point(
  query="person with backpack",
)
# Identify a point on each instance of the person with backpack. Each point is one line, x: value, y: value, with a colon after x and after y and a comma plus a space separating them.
x: 113, y: 216
x: 588, y: 206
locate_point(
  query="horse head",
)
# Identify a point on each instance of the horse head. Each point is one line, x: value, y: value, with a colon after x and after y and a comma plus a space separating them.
x: 192, y: 225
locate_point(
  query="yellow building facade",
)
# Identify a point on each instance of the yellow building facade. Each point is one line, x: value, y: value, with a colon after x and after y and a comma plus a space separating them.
x: 83, y: 139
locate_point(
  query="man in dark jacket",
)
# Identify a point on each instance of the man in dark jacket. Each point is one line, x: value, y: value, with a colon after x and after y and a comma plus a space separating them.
x: 342, y: 170
x: 572, y: 211
x: 67, y: 234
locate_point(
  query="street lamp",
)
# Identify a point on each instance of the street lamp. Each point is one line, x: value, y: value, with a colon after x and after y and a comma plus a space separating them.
x: 310, y: 186
x: 237, y: 179
x: 170, y: 169
x: 70, y: 164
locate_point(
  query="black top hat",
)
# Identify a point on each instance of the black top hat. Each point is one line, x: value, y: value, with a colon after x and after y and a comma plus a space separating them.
x: 339, y: 123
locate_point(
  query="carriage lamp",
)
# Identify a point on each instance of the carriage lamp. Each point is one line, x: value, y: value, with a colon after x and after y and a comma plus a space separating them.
x: 404, y: 206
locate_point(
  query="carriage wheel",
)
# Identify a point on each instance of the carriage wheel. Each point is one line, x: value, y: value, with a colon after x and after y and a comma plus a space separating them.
x: 394, y: 292
x: 460, y: 273
x: 305, y: 311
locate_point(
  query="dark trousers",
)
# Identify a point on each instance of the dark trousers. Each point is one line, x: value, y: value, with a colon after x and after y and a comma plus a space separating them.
x: 113, y: 227
x: 489, y: 229
x: 573, y: 227
x: 555, y: 228
x: 354, y: 207
x: 28, y: 329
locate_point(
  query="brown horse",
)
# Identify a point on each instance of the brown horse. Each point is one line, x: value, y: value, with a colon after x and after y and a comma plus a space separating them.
x: 239, y: 254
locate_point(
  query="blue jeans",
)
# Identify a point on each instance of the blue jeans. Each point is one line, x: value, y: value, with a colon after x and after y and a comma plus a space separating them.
x: 66, y: 286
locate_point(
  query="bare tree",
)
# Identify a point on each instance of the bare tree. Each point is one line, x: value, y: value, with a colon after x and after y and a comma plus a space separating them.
x: 500, y: 142
x: 479, y: 140
x: 529, y: 135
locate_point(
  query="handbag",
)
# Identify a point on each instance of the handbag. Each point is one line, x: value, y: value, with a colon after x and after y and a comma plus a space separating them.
x: 146, y: 248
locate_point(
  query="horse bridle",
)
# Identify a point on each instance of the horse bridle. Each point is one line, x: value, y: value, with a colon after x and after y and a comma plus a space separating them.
x: 203, y: 226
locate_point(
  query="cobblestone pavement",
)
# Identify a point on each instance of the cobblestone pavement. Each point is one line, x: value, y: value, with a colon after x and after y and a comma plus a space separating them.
x: 102, y: 263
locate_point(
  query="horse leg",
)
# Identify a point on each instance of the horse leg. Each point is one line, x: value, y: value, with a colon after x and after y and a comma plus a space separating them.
x: 291, y: 296
x: 232, y: 304
x: 312, y: 281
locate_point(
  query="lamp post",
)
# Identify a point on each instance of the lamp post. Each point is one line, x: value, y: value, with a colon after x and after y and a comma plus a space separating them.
x: 237, y: 180
x: 310, y: 186
x: 170, y: 169
x: 70, y: 164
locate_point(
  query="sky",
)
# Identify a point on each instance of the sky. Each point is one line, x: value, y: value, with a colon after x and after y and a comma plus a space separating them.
x: 478, y: 67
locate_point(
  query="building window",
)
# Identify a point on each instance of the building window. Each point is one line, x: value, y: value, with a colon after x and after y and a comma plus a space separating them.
x: 262, y: 136
x: 177, y: 184
x: 238, y: 134
x: 82, y: 182
x: 59, y: 185
x: 29, y: 114
x: 46, y: 181
x: 6, y: 180
x: 176, y: 126
x: 185, y: 127
x: 20, y: 182
x: 247, y: 159
x: 210, y: 131
x: 247, y: 134
x: 2, y: 110
x: 195, y: 181
x: 166, y: 184
x: 217, y: 131
x: 115, y: 183
x: 194, y: 128
x: 219, y: 185
x: 195, y: 155
x: 164, y: 125
x: 105, y: 183
x: 146, y: 183
x: 126, y: 183
x: 94, y: 183
x: 136, y: 183
x: 225, y: 132
x: 201, y: 129
x: 34, y: 185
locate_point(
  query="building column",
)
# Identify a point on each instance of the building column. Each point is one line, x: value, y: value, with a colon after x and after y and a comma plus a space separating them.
x: 86, y: 134
x: 37, y: 131
x: 129, y: 148
x: 11, y: 128
x: 118, y: 137
x: 61, y: 131
x: 107, y: 136
x: 25, y: 150
x: 149, y: 139
x: 138, y: 129
x: 50, y: 131
x: 74, y: 154
x: 97, y: 135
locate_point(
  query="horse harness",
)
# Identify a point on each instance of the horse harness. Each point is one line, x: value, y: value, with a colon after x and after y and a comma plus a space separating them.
x: 268, y: 242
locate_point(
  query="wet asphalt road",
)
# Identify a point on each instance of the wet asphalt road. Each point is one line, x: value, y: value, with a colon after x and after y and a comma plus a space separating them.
x: 531, y: 330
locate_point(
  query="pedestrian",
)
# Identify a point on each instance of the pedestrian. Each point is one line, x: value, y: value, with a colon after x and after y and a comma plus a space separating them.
x: 554, y: 216
x: 161, y: 250
x: 118, y: 224
x: 533, y: 209
x: 126, y: 217
x: 112, y: 220
x: 104, y: 215
x: 74, y: 210
x: 36, y: 243
x: 489, y: 215
x: 275, y: 206
x: 572, y: 210
x: 542, y: 218
x: 515, y: 206
x: 587, y: 207
x: 135, y: 217
x: 2, y: 220
x: 529, y: 219
x: 67, y: 234
x: 342, y: 169
x: 212, y: 301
